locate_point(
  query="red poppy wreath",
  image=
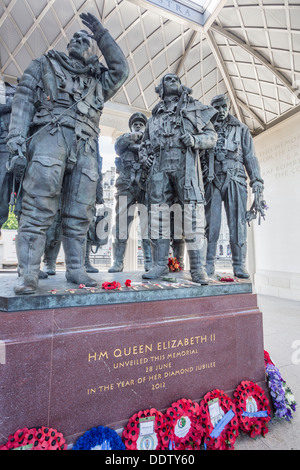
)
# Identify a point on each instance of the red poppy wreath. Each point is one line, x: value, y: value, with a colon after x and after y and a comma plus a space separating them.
x: 42, y: 438
x: 218, y: 420
x: 252, y: 408
x: 146, y: 430
x: 111, y: 285
x: 182, y: 418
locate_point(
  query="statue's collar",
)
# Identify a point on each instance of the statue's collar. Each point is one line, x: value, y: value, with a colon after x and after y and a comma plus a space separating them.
x: 168, y: 105
x: 92, y: 66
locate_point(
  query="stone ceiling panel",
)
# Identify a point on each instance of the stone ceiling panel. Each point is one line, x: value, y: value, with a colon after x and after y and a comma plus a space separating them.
x: 251, y: 51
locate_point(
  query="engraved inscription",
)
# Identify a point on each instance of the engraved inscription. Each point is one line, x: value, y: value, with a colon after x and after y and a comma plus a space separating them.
x: 159, y: 362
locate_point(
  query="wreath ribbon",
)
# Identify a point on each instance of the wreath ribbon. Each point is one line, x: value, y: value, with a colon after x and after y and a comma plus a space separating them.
x: 256, y: 414
x: 222, y: 423
x: 252, y: 422
x: 223, y: 435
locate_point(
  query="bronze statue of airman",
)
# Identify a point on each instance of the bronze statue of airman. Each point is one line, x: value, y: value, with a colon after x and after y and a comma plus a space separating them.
x: 55, y: 123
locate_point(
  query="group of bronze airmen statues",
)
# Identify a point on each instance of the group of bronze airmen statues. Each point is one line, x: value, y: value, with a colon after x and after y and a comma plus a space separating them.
x: 186, y: 154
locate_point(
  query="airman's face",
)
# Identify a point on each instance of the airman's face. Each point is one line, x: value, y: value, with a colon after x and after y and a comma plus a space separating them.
x: 223, y: 109
x: 171, y: 85
x: 79, y: 46
x: 138, y: 126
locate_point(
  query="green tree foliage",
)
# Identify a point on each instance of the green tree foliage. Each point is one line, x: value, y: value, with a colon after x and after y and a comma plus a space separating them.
x: 11, y: 223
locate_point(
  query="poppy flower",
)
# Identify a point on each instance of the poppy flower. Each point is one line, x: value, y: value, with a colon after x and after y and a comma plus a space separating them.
x: 128, y: 283
x: 183, y: 418
x: 38, y: 438
x: 250, y: 423
x: 130, y: 444
x: 226, y: 279
x: 267, y: 358
x: 51, y: 439
x: 111, y: 285
x: 131, y: 432
x: 174, y: 265
x: 226, y: 438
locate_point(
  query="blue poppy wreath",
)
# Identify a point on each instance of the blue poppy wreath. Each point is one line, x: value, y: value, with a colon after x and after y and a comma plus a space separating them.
x: 99, y: 438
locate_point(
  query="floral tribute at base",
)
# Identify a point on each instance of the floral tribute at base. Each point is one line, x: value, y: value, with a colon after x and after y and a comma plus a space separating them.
x: 173, y: 265
x: 217, y: 416
x: 147, y: 430
x: 182, y: 418
x: 214, y: 424
x: 283, y: 400
x: 99, y: 438
x: 42, y: 438
x: 252, y: 408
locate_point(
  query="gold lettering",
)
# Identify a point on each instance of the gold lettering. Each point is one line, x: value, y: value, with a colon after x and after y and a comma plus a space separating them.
x: 93, y: 356
x: 105, y: 388
x: 177, y: 343
x: 133, y: 350
x: 125, y: 383
x: 98, y: 357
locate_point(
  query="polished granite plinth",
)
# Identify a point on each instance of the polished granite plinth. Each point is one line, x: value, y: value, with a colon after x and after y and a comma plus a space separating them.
x: 74, y: 358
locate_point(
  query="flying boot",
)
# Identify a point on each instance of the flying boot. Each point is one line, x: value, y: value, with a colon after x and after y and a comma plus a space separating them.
x: 50, y: 257
x: 87, y: 264
x: 210, y: 258
x: 119, y: 249
x: 74, y: 257
x: 146, y: 247
x: 238, y: 260
x: 197, y: 265
x: 161, y: 254
x: 30, y: 249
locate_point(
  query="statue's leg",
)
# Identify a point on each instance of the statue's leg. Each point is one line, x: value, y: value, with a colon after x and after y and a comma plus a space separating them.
x: 124, y: 200
x: 52, y: 247
x: 37, y: 215
x: 30, y: 248
x: 194, y: 232
x: 50, y: 257
x: 5, y: 190
x: 40, y: 202
x: 143, y: 211
x: 196, y: 244
x: 160, y: 193
x: 161, y: 248
x: 213, y: 215
x: 197, y: 265
x: 211, y: 257
x: 235, y: 204
x: 88, y: 266
x: 78, y: 202
x: 239, y: 260
x: 119, y: 250
x: 146, y: 247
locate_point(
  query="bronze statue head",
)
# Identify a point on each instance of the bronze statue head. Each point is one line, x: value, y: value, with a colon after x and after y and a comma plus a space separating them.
x: 222, y: 104
x: 170, y: 85
x: 80, y: 46
x: 137, y: 122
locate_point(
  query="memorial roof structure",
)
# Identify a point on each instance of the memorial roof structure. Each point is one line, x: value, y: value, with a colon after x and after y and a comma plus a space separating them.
x: 249, y: 49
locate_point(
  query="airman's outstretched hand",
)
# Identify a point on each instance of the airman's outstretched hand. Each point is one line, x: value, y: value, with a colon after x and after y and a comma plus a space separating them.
x: 93, y: 24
